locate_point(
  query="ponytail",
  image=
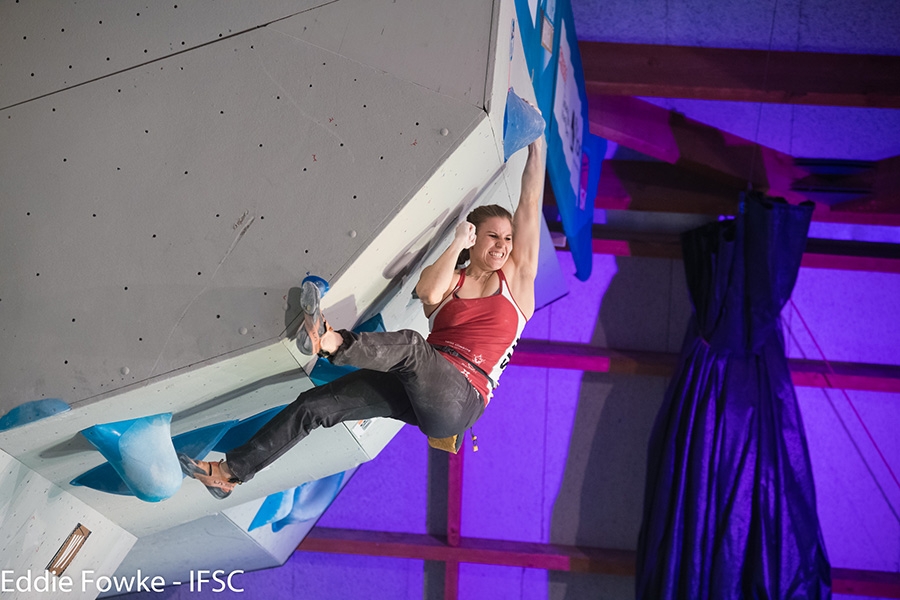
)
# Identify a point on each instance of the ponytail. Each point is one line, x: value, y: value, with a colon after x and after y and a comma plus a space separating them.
x: 463, y: 259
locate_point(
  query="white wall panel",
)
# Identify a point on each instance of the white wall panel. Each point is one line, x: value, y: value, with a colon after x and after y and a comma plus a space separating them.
x: 230, y: 389
x: 181, y: 554
x: 838, y: 313
x: 36, y: 518
x: 395, y: 256
x: 857, y: 496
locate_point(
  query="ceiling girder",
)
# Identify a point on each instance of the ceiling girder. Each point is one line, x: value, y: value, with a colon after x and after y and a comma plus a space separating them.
x: 861, y: 80
x: 710, y: 162
x: 552, y: 557
x: 805, y: 373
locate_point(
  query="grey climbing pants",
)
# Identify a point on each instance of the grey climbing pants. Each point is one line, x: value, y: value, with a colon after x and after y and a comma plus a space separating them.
x: 399, y: 375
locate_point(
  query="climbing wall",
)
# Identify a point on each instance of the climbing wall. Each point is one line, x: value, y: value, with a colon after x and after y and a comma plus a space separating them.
x: 37, y: 520
x: 171, y: 173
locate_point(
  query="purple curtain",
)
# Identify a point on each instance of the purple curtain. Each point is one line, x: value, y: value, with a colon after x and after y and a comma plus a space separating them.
x: 730, y: 505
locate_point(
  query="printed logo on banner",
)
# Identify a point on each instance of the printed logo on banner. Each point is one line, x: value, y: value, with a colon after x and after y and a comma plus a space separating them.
x: 567, y: 112
x: 547, y: 33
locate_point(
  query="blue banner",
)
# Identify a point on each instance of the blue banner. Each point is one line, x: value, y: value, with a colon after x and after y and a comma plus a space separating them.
x: 573, y: 154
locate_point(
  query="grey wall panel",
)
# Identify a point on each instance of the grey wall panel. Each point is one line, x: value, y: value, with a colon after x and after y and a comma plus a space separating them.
x: 159, y: 218
x: 443, y: 46
x: 48, y: 46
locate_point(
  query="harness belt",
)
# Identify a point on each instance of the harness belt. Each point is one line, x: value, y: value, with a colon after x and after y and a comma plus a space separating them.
x: 452, y: 352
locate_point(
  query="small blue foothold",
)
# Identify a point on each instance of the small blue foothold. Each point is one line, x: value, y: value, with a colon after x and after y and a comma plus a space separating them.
x: 311, y: 499
x: 303, y: 503
x: 322, y: 284
x: 325, y: 372
x: 32, y: 411
x: 274, y: 508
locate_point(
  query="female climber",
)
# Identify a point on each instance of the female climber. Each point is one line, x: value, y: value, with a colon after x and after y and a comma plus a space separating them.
x: 440, y: 384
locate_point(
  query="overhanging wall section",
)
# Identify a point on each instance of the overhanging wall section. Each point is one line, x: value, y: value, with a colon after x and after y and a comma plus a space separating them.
x: 158, y: 217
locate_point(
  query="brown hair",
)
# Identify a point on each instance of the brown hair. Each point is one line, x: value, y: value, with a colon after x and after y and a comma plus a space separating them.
x: 478, y: 216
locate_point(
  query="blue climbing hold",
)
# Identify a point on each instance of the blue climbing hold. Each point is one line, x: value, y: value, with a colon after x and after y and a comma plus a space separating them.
x: 142, y: 453
x: 319, y: 282
x: 325, y: 372
x: 274, y: 508
x: 238, y: 434
x: 32, y: 411
x: 311, y: 499
x: 196, y: 444
x: 300, y: 504
x: 522, y: 124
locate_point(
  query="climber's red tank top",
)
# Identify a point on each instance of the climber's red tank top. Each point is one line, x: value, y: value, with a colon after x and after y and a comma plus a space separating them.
x: 482, y: 330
